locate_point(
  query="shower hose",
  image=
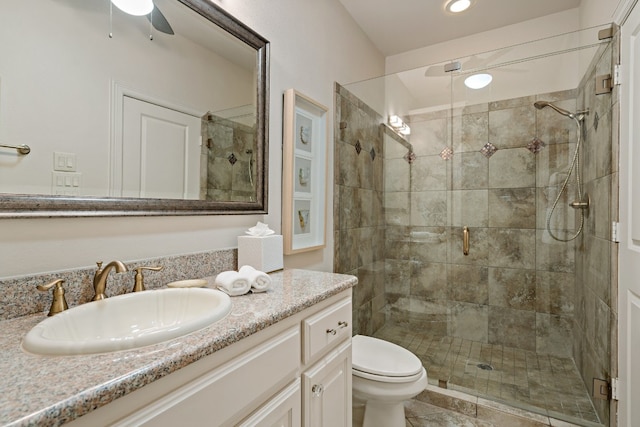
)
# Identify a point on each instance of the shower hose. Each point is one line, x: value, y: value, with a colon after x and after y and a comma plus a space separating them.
x: 574, y: 168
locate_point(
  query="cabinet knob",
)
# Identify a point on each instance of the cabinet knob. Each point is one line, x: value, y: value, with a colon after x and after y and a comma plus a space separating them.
x: 343, y: 324
x: 317, y: 390
x: 332, y: 331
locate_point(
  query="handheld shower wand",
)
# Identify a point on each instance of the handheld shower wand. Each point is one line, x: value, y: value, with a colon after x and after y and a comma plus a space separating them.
x: 581, y: 203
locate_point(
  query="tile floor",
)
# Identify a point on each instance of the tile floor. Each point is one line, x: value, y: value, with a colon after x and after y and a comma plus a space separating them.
x: 420, y: 414
x: 538, y: 383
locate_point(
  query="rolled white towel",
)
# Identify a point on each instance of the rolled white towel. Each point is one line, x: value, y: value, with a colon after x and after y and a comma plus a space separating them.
x: 259, y: 280
x: 233, y: 283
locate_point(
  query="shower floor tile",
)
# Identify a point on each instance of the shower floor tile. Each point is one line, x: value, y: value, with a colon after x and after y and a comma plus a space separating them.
x: 540, y: 383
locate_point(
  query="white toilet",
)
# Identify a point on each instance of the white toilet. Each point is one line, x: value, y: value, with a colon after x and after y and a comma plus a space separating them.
x: 384, y: 376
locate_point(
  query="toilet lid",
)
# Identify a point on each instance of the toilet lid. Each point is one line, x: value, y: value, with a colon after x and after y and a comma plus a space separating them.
x: 378, y: 357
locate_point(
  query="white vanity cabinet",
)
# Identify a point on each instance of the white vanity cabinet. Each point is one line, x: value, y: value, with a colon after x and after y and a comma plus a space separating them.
x: 327, y: 390
x: 294, y: 373
x: 326, y: 383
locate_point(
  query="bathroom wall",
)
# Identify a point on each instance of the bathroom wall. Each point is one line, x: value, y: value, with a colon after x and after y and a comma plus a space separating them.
x: 358, y: 207
x: 596, y: 322
x: 303, y: 56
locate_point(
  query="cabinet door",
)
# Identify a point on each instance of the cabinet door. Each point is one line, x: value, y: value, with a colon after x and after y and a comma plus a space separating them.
x: 284, y: 410
x: 327, y: 390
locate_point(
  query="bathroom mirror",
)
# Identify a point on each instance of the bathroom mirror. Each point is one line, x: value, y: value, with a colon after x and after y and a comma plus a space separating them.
x: 163, y: 114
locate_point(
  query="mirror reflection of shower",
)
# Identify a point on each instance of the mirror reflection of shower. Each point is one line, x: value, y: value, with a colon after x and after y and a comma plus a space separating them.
x: 230, y: 172
x: 582, y: 201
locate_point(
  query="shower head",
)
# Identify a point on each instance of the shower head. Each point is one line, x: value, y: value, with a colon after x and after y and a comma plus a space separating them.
x: 541, y: 104
x: 578, y: 115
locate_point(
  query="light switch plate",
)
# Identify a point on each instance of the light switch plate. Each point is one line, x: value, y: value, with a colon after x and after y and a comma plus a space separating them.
x: 64, y: 162
x: 65, y: 183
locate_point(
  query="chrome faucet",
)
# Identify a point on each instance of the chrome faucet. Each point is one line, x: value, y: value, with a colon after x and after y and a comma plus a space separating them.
x: 100, y: 277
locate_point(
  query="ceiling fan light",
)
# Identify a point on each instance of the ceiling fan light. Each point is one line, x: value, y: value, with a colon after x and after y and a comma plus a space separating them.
x: 134, y: 7
x: 457, y: 6
x: 478, y: 81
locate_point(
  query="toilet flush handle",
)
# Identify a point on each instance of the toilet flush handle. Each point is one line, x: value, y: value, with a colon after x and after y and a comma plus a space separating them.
x: 317, y: 390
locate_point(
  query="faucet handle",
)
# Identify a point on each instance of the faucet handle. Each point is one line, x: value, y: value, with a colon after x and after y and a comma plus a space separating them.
x: 59, y: 302
x: 139, y: 285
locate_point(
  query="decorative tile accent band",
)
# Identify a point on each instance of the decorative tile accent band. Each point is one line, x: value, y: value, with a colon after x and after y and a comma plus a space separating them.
x: 536, y: 145
x: 446, y: 153
x: 358, y: 147
x: 410, y: 157
x: 596, y: 120
x: 232, y: 159
x: 488, y: 150
x: 372, y: 153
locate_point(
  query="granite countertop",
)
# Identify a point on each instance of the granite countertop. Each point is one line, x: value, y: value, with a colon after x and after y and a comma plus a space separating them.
x: 53, y: 390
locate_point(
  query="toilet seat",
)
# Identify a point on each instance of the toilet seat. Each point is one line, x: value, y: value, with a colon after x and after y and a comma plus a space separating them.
x: 380, y: 360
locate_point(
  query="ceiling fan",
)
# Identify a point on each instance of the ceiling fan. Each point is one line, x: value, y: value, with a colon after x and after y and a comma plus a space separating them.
x: 145, y: 8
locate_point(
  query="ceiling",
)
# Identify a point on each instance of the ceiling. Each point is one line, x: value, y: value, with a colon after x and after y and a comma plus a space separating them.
x: 402, y: 25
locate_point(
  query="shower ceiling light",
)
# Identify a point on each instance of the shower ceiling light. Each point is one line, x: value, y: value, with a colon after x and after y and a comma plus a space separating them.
x: 399, y: 126
x: 457, y: 6
x: 134, y: 7
x: 478, y: 81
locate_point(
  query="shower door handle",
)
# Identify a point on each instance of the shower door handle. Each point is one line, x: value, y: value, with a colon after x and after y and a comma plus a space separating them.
x: 465, y: 240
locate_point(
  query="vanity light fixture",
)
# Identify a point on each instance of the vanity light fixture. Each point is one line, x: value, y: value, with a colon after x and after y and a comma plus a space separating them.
x: 134, y: 7
x: 399, y: 126
x: 478, y: 81
x: 395, y: 122
x: 457, y: 6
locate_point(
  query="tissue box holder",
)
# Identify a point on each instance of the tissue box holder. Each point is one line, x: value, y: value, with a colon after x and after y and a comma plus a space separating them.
x: 261, y: 253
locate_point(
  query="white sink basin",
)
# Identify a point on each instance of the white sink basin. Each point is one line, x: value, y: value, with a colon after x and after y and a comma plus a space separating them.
x: 127, y: 321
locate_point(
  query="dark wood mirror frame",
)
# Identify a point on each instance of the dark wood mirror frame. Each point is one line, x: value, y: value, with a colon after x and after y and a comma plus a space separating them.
x: 25, y: 206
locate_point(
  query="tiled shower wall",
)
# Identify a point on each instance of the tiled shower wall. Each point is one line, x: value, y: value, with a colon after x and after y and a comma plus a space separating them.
x: 359, y: 219
x: 596, y: 318
x: 516, y: 285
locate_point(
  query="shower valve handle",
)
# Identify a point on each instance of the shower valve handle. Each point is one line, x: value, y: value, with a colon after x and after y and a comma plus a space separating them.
x: 579, y: 205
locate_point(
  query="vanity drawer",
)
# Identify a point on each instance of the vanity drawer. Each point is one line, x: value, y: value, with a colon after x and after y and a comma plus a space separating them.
x: 225, y: 393
x: 326, y: 329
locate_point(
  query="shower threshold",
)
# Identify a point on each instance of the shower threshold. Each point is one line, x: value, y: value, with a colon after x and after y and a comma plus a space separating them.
x: 539, y: 383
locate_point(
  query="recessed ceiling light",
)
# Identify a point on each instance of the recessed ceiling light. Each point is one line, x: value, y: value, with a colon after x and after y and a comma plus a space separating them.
x: 457, y: 6
x: 478, y: 81
x: 134, y: 7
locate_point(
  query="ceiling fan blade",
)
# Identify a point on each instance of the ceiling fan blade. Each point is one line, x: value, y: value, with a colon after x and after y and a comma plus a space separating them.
x: 159, y: 22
